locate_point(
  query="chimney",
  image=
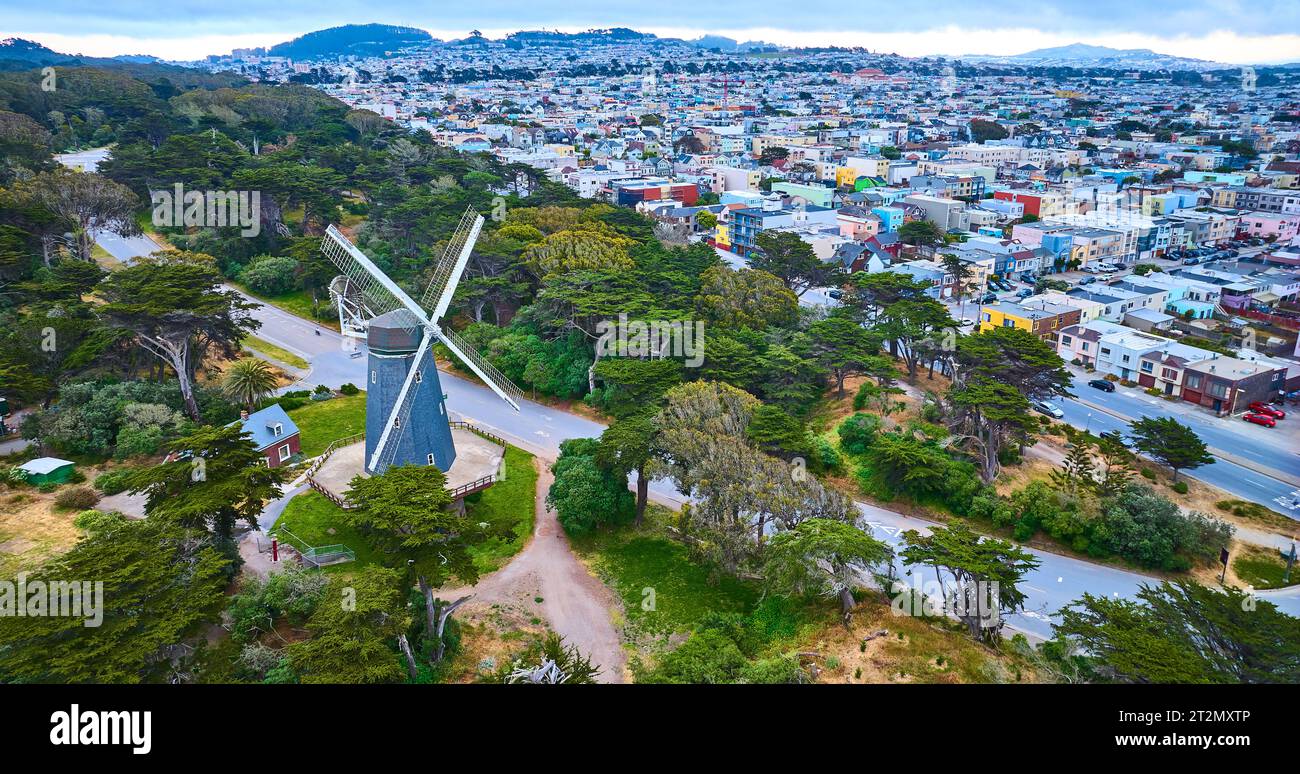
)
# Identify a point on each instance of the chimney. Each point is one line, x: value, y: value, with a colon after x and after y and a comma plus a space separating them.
x: 244, y: 415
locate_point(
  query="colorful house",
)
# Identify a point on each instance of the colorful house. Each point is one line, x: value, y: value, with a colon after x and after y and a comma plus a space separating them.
x: 47, y: 470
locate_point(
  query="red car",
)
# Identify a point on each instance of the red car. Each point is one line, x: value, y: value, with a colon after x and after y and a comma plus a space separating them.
x: 1265, y: 408
x: 1260, y: 419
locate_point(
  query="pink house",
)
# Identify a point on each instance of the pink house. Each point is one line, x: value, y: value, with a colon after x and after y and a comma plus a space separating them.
x: 857, y: 223
x: 1269, y: 224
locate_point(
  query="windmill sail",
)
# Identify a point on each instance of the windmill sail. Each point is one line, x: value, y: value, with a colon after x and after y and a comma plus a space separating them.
x: 380, y: 293
x: 437, y: 297
x: 493, y: 378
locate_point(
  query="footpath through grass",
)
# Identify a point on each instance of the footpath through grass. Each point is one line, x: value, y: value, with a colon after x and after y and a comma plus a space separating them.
x: 321, y: 423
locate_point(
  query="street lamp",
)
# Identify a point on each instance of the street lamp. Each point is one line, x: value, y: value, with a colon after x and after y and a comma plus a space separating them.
x: 1088, y: 424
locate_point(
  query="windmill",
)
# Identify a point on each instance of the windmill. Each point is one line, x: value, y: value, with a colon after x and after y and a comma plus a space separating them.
x: 406, y: 413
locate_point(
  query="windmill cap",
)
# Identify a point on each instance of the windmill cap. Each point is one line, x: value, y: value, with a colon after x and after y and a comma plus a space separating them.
x: 396, y: 331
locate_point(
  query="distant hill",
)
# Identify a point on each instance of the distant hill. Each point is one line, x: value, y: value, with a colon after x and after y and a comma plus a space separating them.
x: 1084, y: 55
x: 351, y: 40
x: 589, y: 37
x: 17, y: 53
x: 723, y: 43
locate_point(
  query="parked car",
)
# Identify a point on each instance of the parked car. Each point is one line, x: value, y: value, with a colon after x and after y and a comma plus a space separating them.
x: 1107, y: 277
x: 1259, y: 407
x: 1102, y: 384
x: 1089, y: 269
x: 1025, y: 293
x: 1087, y: 280
x: 1191, y: 261
x: 1260, y: 419
x: 989, y: 298
x: 1048, y: 408
x: 965, y: 321
x: 835, y: 293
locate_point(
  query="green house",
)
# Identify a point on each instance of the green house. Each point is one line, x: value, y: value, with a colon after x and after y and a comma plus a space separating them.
x: 48, y: 470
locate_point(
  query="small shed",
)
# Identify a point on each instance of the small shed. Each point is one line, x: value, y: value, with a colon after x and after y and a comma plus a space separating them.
x: 48, y: 470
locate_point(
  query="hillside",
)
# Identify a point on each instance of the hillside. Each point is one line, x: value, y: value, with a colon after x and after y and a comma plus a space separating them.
x: 352, y: 40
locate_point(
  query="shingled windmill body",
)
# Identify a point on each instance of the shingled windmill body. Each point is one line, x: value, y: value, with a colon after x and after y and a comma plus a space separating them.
x: 407, y: 421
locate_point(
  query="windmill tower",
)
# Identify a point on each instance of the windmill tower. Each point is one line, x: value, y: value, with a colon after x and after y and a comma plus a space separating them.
x: 406, y: 413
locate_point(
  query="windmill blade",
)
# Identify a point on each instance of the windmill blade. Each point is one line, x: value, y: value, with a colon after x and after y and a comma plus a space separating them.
x: 447, y: 274
x: 397, y: 419
x: 493, y: 378
x: 381, y: 294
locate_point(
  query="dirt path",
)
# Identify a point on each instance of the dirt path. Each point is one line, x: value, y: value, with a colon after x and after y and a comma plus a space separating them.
x: 575, y: 604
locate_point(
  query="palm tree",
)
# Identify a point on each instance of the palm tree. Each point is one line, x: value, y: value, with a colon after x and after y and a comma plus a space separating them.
x: 249, y: 380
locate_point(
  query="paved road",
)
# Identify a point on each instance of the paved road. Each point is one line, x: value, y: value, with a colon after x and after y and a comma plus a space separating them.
x: 1243, y: 482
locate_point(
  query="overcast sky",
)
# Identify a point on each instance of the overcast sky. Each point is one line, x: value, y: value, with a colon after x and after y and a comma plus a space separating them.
x: 1238, y: 31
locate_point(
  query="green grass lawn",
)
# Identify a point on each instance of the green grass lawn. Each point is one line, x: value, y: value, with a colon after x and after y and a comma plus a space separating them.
x: 322, y: 423
x: 310, y: 517
x: 1263, y: 568
x: 685, y: 590
x: 300, y: 303
x: 264, y: 347
x: 508, y: 508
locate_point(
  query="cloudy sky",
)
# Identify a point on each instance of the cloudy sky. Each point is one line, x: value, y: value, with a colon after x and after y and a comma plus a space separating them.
x: 1237, y: 31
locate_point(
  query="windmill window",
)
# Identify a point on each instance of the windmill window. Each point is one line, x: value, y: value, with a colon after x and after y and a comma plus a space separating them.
x: 419, y: 377
x: 442, y: 409
x: 374, y: 377
x: 397, y: 424
x: 430, y: 459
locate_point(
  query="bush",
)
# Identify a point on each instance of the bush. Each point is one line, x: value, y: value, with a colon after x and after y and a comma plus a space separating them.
x: 270, y: 275
x: 858, y: 433
x: 97, y: 521
x: 1148, y: 474
x: 1180, y: 487
x: 113, y: 482
x: 349, y: 389
x: 77, y: 498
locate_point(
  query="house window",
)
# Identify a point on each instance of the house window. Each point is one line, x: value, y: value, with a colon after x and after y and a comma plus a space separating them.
x: 1008, y: 323
x: 430, y: 458
x: 284, y: 452
x: 1085, y: 346
x: 1105, y: 351
x: 277, y: 430
x: 1194, y: 381
x: 1147, y: 367
x: 1066, y: 340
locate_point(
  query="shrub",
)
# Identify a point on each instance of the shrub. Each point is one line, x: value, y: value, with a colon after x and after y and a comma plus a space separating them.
x: 270, y: 275
x: 858, y: 433
x: 1148, y: 474
x: 112, y: 482
x: 97, y: 521
x: 77, y: 498
x: 1180, y: 487
x: 349, y: 389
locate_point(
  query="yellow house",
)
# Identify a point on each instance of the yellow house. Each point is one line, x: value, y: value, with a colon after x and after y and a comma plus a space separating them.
x: 1003, y: 316
x: 845, y: 177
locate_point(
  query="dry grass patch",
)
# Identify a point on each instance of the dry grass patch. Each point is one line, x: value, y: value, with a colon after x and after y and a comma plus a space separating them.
x: 32, y: 531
